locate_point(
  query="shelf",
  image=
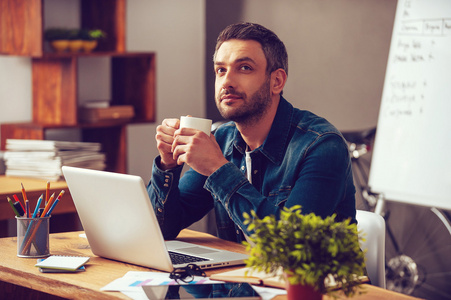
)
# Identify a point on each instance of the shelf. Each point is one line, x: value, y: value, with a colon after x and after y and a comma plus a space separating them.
x: 55, y: 85
x: 57, y: 55
x: 22, y: 25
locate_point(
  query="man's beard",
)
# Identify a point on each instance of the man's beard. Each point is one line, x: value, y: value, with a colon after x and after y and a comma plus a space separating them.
x: 253, y: 108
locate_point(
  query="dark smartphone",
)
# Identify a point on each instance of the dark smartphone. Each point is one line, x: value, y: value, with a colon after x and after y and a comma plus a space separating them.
x: 232, y: 291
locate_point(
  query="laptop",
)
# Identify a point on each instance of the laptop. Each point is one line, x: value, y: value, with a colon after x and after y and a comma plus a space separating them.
x: 120, y: 223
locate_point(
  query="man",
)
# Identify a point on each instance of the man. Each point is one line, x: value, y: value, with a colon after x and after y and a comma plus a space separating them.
x: 270, y: 155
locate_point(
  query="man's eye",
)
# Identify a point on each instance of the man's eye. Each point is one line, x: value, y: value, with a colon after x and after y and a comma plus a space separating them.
x: 220, y: 71
x: 245, y: 68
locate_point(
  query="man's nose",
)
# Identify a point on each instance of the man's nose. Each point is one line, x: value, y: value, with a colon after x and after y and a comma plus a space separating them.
x: 228, y: 80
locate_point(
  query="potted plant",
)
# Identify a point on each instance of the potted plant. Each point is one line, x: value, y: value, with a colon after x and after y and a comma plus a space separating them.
x: 310, y: 250
x: 58, y: 38
x: 90, y: 38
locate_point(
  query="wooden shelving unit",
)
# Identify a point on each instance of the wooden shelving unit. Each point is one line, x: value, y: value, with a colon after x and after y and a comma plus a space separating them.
x: 54, y: 75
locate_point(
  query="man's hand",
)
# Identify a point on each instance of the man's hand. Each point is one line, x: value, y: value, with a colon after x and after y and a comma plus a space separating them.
x: 165, y: 138
x: 200, y: 151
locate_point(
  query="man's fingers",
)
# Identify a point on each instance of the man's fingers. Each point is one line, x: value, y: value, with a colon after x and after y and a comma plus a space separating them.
x: 163, y: 137
x: 172, y: 123
x: 179, y: 154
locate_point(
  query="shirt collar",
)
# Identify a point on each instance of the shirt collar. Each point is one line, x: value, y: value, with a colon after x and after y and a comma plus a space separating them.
x: 274, y: 144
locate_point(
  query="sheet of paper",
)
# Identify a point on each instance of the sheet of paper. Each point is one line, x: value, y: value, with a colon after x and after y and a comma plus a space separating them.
x: 268, y: 293
x: 133, y: 280
x: 130, y: 284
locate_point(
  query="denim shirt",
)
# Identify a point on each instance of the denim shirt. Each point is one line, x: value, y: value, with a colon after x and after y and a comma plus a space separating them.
x: 304, y: 160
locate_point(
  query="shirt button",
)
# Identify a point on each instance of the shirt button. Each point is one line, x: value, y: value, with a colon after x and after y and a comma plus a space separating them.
x: 242, y: 168
x: 165, y: 185
x: 237, y: 232
x: 160, y: 210
x: 255, y: 171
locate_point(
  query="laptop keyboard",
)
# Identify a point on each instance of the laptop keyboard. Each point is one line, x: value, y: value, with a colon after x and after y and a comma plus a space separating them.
x: 179, y: 258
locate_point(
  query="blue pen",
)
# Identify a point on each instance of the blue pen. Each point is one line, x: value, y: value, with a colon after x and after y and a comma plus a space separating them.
x: 37, y: 206
x: 52, y: 207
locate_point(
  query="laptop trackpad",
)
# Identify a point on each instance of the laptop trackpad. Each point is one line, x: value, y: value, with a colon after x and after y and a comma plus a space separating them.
x: 196, y: 250
x: 188, y: 248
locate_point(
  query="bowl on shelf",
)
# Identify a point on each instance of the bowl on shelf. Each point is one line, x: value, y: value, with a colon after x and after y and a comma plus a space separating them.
x: 73, y: 40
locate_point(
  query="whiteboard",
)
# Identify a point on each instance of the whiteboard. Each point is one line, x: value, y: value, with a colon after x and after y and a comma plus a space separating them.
x: 412, y: 153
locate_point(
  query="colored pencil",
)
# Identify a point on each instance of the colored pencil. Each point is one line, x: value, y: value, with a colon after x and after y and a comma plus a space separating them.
x: 52, y: 208
x: 17, y: 200
x: 49, y: 204
x: 24, y: 195
x: 37, y: 206
x: 47, y: 192
x: 52, y: 205
x: 27, y: 207
x: 12, y: 206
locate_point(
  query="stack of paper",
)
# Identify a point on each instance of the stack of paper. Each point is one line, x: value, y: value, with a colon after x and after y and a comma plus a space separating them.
x: 43, y: 159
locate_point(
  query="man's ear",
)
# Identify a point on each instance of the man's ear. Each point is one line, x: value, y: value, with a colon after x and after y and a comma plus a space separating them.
x: 278, y: 79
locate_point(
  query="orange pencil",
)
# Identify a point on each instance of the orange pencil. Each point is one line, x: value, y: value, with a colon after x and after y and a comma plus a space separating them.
x: 48, y: 209
x: 24, y: 195
x: 48, y: 205
x: 47, y: 192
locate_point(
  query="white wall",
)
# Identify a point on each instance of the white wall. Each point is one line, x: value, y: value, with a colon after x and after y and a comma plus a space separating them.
x: 175, y: 31
x: 337, y: 51
x: 15, y: 89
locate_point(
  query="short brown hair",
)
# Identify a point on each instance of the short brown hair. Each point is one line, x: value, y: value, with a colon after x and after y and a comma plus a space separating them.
x: 273, y: 48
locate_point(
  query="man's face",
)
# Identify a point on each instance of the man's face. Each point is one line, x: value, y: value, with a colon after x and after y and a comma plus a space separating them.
x: 242, y: 87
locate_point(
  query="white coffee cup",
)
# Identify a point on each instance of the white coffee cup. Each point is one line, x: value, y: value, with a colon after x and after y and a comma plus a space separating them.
x: 196, y: 123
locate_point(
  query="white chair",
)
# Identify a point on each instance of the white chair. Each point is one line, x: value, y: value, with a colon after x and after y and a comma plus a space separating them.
x: 372, y: 226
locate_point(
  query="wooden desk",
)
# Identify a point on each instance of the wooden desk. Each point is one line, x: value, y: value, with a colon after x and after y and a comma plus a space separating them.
x: 20, y: 279
x: 34, y: 188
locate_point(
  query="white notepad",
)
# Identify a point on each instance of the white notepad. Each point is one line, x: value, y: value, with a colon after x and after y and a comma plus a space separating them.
x: 71, y: 263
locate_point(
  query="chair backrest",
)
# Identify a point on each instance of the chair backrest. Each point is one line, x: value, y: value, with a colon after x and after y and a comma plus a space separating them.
x: 373, y: 227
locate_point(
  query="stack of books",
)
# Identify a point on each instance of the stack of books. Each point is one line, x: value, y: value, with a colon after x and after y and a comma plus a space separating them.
x: 43, y: 159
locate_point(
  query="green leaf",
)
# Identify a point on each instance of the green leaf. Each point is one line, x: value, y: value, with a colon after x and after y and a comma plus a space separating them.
x: 308, y: 247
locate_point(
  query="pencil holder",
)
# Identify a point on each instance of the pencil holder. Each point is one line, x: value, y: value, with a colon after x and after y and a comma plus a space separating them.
x: 33, y: 237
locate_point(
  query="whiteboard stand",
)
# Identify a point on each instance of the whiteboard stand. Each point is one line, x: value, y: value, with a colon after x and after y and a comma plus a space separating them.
x: 380, y: 205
